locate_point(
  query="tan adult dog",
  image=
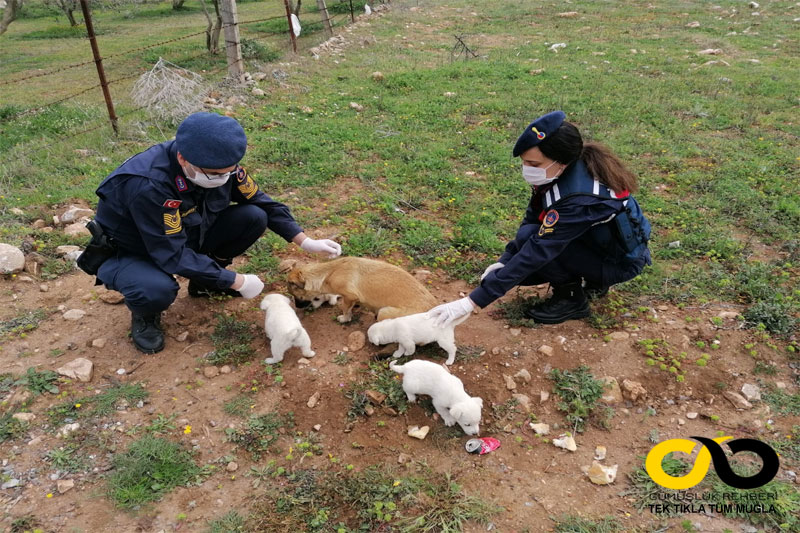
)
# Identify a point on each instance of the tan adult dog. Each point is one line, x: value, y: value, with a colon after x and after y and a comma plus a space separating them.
x: 387, y: 290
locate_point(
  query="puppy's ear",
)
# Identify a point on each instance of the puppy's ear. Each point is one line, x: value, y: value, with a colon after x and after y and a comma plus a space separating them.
x: 478, y: 401
x: 456, y: 411
x: 313, y: 285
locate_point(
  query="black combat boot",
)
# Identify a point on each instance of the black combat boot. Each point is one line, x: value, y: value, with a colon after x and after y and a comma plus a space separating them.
x: 567, y: 303
x: 146, y: 332
x: 594, y: 292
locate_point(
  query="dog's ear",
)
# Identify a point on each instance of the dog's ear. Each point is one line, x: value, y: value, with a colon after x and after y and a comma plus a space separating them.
x: 313, y: 285
x: 456, y: 411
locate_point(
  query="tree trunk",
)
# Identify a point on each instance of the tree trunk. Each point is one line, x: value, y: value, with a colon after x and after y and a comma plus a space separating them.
x: 9, y: 14
x: 70, y: 16
x: 208, y: 28
x: 217, y: 29
x: 296, y: 8
x: 177, y: 4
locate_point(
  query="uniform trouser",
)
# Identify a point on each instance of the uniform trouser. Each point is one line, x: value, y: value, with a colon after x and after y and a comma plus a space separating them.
x: 580, y: 261
x: 150, y: 290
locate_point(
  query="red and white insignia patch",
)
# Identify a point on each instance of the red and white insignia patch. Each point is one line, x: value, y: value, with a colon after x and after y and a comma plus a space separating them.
x: 172, y: 204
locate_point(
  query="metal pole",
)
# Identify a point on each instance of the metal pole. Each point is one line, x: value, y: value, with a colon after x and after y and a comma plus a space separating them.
x: 291, y: 29
x: 98, y: 61
x: 233, y: 49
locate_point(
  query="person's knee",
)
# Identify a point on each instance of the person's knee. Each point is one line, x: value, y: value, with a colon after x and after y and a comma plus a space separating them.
x: 152, y: 295
x: 254, y: 217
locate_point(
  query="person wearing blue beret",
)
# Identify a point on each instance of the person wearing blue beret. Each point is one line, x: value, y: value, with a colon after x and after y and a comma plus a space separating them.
x: 583, y: 230
x: 184, y: 207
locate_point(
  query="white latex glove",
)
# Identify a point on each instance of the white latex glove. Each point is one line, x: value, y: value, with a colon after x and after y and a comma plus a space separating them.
x: 322, y: 246
x: 251, y: 287
x: 495, y: 266
x: 446, y: 313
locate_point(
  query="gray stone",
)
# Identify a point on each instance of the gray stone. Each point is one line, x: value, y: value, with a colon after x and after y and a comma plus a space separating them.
x: 74, y: 213
x: 612, y: 394
x: 510, y: 384
x: 737, y: 400
x: 751, y: 392
x: 356, y: 340
x: 541, y: 429
x: 77, y: 229
x: 64, y: 485
x: 619, y: 335
x: 524, y: 375
x: 24, y: 417
x: 12, y: 260
x: 10, y: 484
x: 546, y: 350
x: 67, y: 249
x: 523, y: 400
x: 602, y: 475
x: 80, y: 369
x: 74, y: 314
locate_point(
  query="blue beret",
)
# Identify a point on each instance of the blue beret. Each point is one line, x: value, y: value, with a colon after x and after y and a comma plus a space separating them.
x: 208, y: 140
x: 538, y: 130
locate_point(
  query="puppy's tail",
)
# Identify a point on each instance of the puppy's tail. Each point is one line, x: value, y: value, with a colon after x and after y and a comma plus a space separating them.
x: 397, y: 368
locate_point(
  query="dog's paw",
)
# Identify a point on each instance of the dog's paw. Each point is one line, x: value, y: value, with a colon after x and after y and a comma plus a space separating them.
x: 272, y: 360
x: 309, y: 353
x: 343, y: 319
x: 449, y: 423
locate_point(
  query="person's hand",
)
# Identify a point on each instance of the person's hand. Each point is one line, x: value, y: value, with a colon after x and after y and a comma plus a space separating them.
x: 322, y: 246
x: 494, y: 266
x: 250, y: 287
x: 447, y: 313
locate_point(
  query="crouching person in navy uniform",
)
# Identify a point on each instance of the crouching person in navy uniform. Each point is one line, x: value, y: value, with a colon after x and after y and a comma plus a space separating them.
x: 168, y: 211
x: 582, y: 232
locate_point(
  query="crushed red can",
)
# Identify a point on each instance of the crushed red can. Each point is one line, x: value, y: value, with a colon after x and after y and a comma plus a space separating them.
x: 482, y: 445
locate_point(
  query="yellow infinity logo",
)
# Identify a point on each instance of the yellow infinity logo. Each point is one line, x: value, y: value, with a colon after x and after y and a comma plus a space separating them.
x: 711, y: 451
x: 701, y: 465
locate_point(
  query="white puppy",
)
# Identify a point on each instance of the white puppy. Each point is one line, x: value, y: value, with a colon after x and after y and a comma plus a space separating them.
x: 411, y: 330
x: 330, y: 299
x: 447, y: 392
x: 283, y: 328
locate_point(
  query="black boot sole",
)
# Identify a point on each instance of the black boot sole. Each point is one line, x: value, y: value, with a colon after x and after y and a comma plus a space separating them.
x: 150, y: 351
x: 583, y: 312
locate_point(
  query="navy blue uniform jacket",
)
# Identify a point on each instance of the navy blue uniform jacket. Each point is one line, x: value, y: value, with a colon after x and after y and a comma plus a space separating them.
x: 540, y: 239
x: 150, y: 209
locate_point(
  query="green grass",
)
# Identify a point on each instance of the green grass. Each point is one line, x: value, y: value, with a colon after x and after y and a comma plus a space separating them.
x: 39, y: 382
x: 24, y: 322
x: 230, y: 522
x: 380, y: 378
x: 239, y: 405
x: 10, y: 428
x: 782, y: 402
x: 645, y: 491
x: 149, y: 468
x: 578, y: 394
x: 231, y: 338
x: 260, y: 433
x: 716, y: 154
x: 375, y: 499
x: 97, y: 405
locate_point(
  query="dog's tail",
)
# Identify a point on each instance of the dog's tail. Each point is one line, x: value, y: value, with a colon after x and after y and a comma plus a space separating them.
x: 264, y: 303
x: 397, y: 368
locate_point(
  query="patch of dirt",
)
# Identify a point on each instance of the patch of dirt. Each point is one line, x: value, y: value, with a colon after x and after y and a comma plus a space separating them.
x: 531, y: 479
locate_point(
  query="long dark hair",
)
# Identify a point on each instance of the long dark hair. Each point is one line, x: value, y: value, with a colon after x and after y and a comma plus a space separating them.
x: 565, y: 145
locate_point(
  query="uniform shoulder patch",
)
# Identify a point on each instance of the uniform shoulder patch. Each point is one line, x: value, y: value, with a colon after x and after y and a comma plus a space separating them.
x: 246, y: 185
x: 241, y: 175
x: 180, y: 183
x: 172, y: 204
x: 550, y: 219
x: 172, y: 223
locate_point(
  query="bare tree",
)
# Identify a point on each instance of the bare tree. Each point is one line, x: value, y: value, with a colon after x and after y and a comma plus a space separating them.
x: 10, y: 10
x: 212, y: 36
x: 68, y: 7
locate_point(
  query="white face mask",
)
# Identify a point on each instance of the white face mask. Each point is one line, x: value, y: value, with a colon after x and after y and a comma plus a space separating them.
x: 537, y: 176
x: 204, y: 179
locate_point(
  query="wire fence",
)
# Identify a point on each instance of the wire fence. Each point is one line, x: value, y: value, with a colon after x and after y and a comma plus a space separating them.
x: 87, y: 99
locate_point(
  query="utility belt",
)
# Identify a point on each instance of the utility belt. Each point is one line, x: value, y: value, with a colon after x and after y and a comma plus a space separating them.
x: 98, y: 251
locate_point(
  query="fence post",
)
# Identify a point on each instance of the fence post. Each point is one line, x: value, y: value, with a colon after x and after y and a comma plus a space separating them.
x: 291, y: 29
x: 98, y: 61
x: 326, y: 19
x: 352, y: 15
x: 233, y: 50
